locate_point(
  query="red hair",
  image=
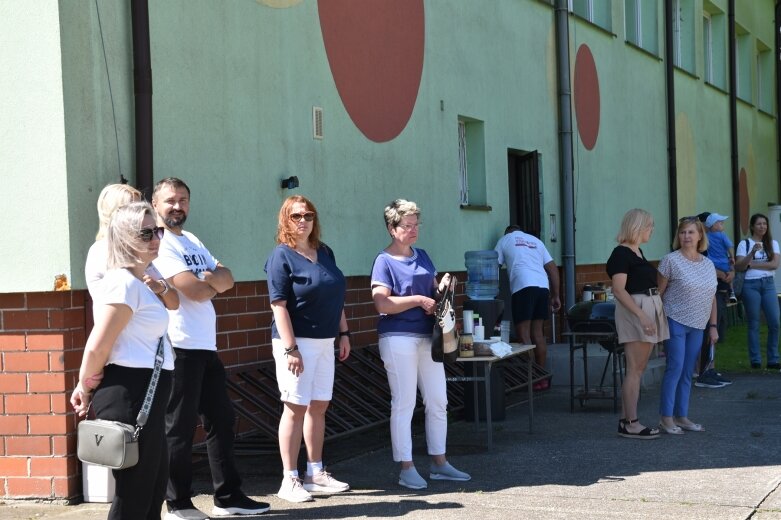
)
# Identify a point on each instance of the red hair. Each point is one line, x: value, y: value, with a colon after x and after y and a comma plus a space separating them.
x: 286, y: 228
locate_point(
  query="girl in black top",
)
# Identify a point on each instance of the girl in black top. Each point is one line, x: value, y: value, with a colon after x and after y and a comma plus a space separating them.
x: 640, y: 320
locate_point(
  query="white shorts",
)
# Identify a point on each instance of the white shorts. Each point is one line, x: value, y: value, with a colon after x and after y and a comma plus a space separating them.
x: 316, y: 382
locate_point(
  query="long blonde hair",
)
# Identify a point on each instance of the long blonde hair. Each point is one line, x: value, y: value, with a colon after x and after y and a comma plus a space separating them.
x: 635, y: 221
x: 110, y: 199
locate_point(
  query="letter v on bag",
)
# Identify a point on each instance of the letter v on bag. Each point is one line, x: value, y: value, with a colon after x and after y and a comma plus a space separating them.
x: 98, y: 439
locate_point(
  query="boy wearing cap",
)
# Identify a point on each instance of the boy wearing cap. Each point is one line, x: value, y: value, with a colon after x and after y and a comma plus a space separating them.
x: 721, y: 253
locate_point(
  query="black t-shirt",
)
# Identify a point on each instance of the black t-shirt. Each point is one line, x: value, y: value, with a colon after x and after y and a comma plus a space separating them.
x: 640, y: 274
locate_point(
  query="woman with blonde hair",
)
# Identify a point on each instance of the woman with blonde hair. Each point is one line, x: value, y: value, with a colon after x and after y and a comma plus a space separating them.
x: 404, y: 288
x: 119, y: 359
x: 640, y: 320
x: 307, y: 292
x: 687, y: 283
x: 111, y: 198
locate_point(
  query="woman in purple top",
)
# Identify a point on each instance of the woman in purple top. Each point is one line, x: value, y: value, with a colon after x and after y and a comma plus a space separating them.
x: 687, y: 283
x: 404, y: 288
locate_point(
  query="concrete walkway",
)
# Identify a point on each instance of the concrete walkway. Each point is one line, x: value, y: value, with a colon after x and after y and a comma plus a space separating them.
x: 572, y: 466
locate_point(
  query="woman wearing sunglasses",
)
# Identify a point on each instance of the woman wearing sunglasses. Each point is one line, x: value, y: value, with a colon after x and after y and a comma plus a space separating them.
x: 119, y: 359
x: 687, y: 283
x: 111, y: 198
x: 307, y: 292
x: 404, y: 288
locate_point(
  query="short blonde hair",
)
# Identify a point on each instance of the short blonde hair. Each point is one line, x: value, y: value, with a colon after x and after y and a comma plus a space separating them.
x: 122, y: 234
x: 635, y: 221
x: 110, y: 199
x: 702, y: 245
x: 398, y: 209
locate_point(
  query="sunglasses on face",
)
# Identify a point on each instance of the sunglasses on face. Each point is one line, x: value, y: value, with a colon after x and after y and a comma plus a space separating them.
x: 147, y: 234
x: 308, y: 216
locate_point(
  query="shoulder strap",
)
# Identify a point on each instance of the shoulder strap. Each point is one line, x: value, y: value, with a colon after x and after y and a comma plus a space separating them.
x: 143, y: 415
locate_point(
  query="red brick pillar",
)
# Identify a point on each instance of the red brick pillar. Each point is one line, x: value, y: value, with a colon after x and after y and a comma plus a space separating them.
x: 42, y: 338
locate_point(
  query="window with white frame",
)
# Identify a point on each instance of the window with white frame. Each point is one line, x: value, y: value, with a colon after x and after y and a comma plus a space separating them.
x: 743, y: 59
x: 683, y: 34
x: 764, y: 78
x: 471, y: 162
x: 597, y: 12
x: 641, y: 24
x: 714, y: 45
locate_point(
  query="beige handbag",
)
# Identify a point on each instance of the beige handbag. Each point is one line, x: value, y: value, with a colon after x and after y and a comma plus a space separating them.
x: 114, y: 444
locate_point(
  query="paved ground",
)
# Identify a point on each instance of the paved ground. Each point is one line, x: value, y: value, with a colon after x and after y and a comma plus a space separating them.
x: 572, y: 466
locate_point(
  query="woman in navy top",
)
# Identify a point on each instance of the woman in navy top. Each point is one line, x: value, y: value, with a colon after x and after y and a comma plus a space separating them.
x: 307, y: 292
x: 403, y: 289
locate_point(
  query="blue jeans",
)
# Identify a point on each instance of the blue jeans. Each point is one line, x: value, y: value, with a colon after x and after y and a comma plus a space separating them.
x: 761, y: 293
x: 682, y: 349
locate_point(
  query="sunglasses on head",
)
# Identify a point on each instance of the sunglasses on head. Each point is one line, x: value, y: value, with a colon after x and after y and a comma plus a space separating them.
x: 147, y: 234
x: 309, y: 216
x: 692, y: 218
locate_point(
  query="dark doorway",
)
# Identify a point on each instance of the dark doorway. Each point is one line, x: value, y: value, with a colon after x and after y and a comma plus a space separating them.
x: 524, y: 190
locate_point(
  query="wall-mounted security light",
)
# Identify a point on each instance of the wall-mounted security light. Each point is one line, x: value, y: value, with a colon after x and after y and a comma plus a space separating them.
x: 290, y: 183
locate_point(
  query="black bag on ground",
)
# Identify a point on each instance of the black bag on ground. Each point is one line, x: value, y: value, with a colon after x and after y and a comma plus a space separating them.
x: 444, y: 339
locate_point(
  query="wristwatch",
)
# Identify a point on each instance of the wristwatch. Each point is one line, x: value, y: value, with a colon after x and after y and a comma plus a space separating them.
x: 291, y: 349
x: 344, y: 333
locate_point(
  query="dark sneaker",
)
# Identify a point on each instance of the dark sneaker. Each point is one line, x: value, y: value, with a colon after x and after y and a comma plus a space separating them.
x: 706, y: 380
x: 185, y: 511
x: 756, y: 366
x: 773, y: 366
x: 718, y: 377
x: 238, y: 505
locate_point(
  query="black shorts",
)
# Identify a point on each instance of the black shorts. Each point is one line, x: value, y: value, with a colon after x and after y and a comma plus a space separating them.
x: 531, y: 303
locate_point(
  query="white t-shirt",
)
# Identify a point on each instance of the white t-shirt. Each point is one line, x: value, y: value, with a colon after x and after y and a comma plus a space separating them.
x: 690, y: 288
x: 194, y: 324
x: 524, y: 255
x: 759, y: 258
x: 136, y: 345
x: 95, y: 267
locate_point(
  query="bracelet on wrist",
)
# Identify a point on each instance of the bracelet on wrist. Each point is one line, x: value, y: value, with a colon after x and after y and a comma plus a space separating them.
x: 712, y: 326
x: 291, y: 349
x: 344, y: 333
x: 166, y: 288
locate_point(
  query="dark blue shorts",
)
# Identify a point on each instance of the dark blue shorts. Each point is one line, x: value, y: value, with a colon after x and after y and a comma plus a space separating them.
x: 531, y: 303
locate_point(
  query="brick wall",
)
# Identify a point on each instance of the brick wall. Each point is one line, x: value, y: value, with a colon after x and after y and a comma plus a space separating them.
x: 41, y: 341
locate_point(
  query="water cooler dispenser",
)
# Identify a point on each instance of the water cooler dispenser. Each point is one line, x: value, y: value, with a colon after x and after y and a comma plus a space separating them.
x: 482, y: 287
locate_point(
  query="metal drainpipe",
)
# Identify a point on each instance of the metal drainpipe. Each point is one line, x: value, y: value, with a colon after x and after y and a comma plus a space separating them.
x: 142, y: 87
x: 672, y: 165
x: 777, y: 25
x: 566, y: 168
x: 733, y: 120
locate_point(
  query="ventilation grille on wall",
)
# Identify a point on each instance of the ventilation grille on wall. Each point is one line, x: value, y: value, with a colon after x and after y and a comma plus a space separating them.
x: 317, y: 122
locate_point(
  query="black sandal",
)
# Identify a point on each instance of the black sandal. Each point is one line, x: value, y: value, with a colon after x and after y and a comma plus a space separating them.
x: 645, y: 434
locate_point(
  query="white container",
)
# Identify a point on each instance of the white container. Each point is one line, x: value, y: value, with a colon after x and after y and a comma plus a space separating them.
x: 479, y: 334
x: 99, y: 484
x: 469, y: 321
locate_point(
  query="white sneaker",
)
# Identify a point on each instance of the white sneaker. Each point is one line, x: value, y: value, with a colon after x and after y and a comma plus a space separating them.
x: 410, y: 478
x: 324, y: 483
x: 292, y: 490
x: 448, y: 472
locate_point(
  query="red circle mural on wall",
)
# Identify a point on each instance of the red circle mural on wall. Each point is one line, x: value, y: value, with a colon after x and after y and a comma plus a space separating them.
x: 375, y: 51
x: 586, y: 97
x: 745, y: 203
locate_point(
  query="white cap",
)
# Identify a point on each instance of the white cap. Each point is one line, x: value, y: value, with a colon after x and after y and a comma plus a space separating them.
x: 713, y: 218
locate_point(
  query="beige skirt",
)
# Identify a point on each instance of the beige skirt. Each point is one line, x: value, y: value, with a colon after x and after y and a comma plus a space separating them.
x: 628, y: 325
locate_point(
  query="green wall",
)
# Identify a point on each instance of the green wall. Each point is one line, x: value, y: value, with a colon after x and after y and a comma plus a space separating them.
x: 234, y: 86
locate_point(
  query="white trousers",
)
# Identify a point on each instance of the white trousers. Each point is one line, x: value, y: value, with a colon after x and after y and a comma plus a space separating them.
x: 409, y: 366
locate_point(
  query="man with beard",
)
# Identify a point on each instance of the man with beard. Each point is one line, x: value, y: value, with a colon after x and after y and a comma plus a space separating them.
x: 199, y: 376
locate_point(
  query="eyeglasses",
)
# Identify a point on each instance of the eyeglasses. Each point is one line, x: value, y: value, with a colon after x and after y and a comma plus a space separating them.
x: 408, y: 227
x: 309, y: 216
x: 147, y: 234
